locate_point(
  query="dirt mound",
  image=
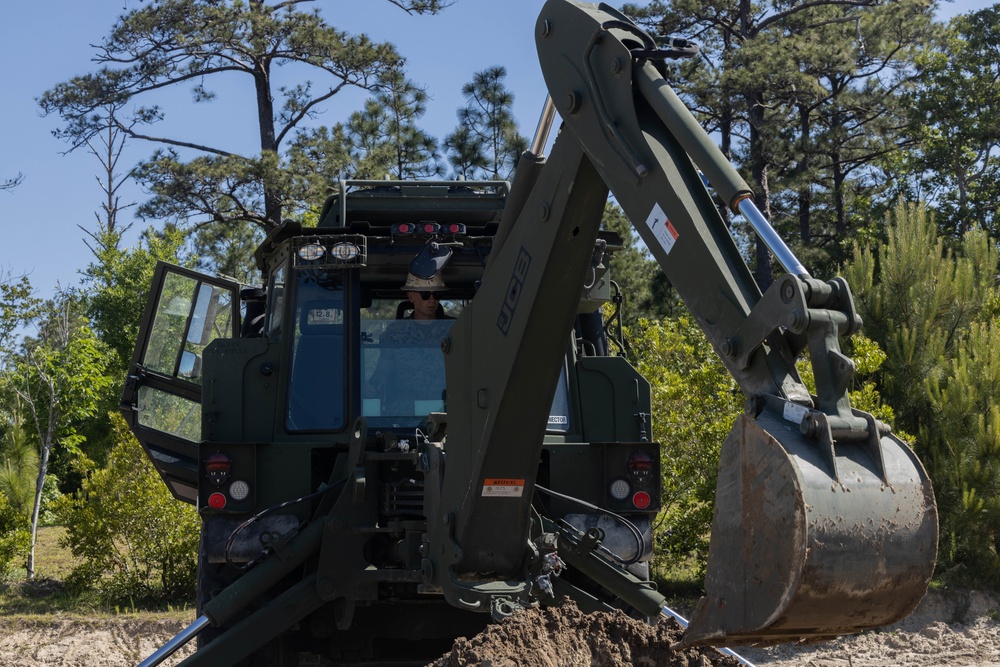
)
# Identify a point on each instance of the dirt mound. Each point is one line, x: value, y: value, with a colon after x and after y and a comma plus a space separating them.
x: 565, y: 636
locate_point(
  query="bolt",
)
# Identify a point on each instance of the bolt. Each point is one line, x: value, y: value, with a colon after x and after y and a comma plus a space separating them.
x: 573, y: 102
x: 753, y: 406
x: 787, y: 291
x: 266, y: 369
x: 729, y: 347
x: 445, y: 345
x: 617, y: 66
x: 546, y: 28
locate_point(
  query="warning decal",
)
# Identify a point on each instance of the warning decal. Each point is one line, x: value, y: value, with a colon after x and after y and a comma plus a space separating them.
x: 503, y: 488
x: 664, y: 232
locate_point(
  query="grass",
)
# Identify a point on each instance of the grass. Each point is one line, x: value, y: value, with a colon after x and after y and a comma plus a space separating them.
x: 48, y: 595
x: 53, y: 561
x: 681, y: 583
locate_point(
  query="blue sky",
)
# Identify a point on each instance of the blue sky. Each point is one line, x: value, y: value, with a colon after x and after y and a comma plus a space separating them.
x: 46, y: 42
x: 43, y: 43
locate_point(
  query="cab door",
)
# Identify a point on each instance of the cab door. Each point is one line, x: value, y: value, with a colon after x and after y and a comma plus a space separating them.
x: 161, y: 401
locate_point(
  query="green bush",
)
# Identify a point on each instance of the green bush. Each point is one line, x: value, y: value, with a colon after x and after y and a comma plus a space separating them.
x: 136, y: 541
x: 50, y: 501
x: 15, y: 538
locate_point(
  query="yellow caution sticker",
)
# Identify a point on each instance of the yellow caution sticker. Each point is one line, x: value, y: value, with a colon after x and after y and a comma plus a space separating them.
x: 503, y: 488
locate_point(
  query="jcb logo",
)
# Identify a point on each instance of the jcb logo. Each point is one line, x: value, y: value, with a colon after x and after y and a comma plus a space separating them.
x: 517, y: 279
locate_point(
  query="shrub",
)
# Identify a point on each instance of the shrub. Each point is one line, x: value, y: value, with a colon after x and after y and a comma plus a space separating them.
x: 136, y: 541
x: 15, y: 537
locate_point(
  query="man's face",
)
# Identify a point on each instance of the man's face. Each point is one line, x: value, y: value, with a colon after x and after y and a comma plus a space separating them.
x: 424, y: 304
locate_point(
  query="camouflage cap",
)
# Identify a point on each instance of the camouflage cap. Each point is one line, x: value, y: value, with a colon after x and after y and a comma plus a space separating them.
x: 433, y: 284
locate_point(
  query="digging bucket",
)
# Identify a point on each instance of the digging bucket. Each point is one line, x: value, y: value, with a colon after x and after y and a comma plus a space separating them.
x: 810, y: 542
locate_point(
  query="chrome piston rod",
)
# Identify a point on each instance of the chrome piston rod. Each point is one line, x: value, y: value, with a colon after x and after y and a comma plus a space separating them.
x: 178, y: 640
x: 670, y: 613
x: 774, y: 243
x: 545, y: 120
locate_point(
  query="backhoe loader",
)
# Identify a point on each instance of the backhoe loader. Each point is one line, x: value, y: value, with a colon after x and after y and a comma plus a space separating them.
x: 374, y: 484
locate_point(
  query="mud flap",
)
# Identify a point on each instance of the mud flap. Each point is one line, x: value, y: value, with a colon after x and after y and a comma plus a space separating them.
x: 808, y: 545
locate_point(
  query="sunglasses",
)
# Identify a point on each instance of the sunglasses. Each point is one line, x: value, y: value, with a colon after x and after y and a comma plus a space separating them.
x: 428, y: 295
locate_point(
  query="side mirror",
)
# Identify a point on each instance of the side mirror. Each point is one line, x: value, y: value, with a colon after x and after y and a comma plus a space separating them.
x: 190, y: 366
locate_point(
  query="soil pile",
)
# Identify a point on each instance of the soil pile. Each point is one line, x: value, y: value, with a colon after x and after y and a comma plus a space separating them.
x: 565, y: 637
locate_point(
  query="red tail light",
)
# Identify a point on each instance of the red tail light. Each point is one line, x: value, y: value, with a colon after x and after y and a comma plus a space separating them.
x: 641, y: 500
x: 640, y: 467
x: 217, y: 467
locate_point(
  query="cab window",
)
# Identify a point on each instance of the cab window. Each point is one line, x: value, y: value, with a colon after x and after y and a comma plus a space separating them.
x: 316, y: 398
x: 402, y: 363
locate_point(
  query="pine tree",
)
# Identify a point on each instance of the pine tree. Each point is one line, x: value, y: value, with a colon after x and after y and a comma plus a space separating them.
x: 383, y: 138
x: 954, y: 106
x: 934, y: 312
x: 166, y: 44
x: 796, y: 92
x: 486, y: 125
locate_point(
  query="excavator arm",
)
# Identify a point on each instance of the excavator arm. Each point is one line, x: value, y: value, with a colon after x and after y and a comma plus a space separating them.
x: 825, y: 523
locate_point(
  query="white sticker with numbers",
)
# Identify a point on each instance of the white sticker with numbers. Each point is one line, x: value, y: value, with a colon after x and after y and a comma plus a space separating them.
x: 794, y: 412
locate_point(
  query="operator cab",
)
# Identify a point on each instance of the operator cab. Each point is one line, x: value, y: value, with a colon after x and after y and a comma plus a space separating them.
x: 329, y: 318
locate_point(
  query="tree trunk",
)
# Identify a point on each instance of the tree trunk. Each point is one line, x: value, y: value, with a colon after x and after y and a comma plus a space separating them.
x: 726, y: 124
x: 36, y: 509
x: 963, y: 201
x: 805, y: 189
x: 758, y: 169
x: 839, y: 179
x: 265, y: 121
x: 758, y: 160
